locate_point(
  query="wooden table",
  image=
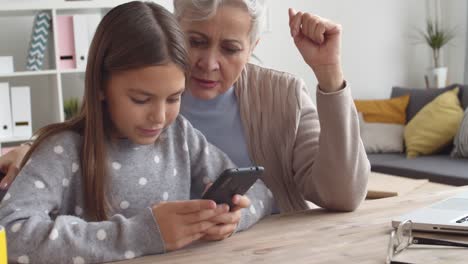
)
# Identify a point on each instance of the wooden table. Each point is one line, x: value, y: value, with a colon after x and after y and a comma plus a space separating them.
x: 319, y: 236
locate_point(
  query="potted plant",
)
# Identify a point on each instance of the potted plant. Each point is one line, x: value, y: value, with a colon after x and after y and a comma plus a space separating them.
x: 71, y: 107
x: 436, y: 37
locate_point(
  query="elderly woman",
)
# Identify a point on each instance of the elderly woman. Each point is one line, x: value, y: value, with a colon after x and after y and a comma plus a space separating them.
x: 266, y: 117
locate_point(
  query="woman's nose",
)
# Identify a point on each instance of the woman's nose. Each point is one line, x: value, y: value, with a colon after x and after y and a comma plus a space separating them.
x: 208, y: 61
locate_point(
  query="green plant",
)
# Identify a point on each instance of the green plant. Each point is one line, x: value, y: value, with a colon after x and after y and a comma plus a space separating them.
x: 436, y: 37
x: 70, y: 107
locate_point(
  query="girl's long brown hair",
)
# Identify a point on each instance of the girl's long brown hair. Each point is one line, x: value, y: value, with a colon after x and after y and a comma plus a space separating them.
x: 130, y: 36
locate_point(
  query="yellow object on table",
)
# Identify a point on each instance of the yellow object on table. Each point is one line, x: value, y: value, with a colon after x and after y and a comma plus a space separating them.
x: 3, y: 246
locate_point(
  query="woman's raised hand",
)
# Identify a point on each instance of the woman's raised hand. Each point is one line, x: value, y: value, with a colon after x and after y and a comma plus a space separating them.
x: 319, y: 42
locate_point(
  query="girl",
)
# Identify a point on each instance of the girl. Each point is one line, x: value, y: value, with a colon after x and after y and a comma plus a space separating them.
x: 115, y: 181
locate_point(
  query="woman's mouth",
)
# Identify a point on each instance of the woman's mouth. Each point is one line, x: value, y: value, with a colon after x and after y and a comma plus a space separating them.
x: 207, y: 84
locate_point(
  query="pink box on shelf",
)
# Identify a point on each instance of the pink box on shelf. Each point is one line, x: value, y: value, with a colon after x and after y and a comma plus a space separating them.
x: 66, y: 42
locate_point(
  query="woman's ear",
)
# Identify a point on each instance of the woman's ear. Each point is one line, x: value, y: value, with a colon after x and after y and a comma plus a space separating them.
x: 254, y: 45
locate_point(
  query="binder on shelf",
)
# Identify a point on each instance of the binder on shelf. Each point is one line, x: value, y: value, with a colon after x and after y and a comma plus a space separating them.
x: 6, y: 128
x: 66, y: 42
x: 84, y: 27
x: 80, y: 31
x: 21, y: 111
x: 38, y: 42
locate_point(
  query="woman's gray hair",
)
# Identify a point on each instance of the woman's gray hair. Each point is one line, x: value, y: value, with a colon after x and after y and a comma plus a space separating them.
x: 198, y: 10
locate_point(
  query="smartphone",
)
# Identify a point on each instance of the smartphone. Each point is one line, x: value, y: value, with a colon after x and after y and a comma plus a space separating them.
x: 232, y: 182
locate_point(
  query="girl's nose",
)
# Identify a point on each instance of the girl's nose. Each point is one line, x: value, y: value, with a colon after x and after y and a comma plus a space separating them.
x: 158, y: 114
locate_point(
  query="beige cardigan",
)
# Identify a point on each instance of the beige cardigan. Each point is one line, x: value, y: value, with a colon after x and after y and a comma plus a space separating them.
x: 282, y: 128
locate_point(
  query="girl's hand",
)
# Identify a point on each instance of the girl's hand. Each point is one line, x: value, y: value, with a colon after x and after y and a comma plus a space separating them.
x: 319, y: 42
x: 226, y: 223
x: 182, y: 222
x: 9, y: 165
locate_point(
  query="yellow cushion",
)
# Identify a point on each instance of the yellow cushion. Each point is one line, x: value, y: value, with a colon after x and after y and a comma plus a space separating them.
x: 434, y: 126
x: 384, y: 111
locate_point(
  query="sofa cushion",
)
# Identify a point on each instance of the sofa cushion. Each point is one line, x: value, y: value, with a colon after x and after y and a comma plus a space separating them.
x: 436, y: 168
x: 434, y: 126
x: 374, y: 142
x: 419, y: 97
x: 392, y: 111
x: 460, y: 149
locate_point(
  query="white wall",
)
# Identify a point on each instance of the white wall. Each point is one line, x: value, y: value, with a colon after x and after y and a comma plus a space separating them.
x: 454, y: 14
x: 378, y: 49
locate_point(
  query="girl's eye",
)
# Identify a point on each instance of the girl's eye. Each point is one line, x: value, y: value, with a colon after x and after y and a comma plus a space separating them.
x: 137, y: 101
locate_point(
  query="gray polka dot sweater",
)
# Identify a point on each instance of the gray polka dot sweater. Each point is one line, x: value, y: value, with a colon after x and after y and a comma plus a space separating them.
x: 43, y: 209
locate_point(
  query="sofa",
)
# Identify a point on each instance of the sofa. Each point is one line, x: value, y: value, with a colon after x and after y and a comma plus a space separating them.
x: 439, y: 167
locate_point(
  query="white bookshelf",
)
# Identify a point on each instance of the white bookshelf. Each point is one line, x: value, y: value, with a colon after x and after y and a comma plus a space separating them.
x: 72, y: 71
x: 28, y: 73
x: 14, y: 139
x: 22, y: 5
x: 51, y: 86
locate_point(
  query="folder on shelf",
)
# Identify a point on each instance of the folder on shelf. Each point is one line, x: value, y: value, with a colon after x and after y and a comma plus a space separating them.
x: 21, y: 111
x: 6, y: 128
x: 38, y: 42
x: 66, y: 42
x: 81, y: 40
x: 84, y: 27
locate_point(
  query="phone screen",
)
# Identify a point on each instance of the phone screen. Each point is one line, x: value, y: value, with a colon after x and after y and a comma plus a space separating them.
x: 232, y: 182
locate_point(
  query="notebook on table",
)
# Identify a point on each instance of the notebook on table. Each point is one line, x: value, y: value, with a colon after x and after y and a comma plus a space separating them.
x: 447, y: 216
x: 383, y: 185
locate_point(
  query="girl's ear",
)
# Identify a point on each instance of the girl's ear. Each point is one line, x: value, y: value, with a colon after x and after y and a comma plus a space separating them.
x: 102, y: 91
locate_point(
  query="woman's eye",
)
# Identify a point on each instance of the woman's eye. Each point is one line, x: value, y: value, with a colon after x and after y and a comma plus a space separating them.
x: 139, y: 101
x: 196, y: 42
x: 173, y: 100
x: 231, y: 50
